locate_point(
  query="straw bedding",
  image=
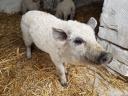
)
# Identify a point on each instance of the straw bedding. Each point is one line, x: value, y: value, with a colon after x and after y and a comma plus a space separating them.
x: 37, y: 76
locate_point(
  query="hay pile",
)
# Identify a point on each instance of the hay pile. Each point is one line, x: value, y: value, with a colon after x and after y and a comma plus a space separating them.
x: 37, y: 76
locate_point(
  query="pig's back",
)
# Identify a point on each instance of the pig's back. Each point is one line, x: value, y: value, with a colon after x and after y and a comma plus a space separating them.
x: 39, y: 18
x: 40, y: 26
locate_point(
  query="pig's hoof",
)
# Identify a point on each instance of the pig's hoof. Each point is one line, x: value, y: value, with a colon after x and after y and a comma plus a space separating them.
x: 64, y: 84
x: 29, y: 56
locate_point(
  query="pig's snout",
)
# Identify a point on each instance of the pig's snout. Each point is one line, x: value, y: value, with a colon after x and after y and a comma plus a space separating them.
x: 105, y: 58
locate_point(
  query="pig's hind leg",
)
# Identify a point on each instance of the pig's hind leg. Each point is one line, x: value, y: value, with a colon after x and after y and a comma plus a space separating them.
x: 28, y: 42
x: 29, y: 54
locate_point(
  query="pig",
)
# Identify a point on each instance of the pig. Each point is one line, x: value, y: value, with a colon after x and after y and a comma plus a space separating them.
x: 28, y: 5
x: 66, y: 42
x: 65, y: 9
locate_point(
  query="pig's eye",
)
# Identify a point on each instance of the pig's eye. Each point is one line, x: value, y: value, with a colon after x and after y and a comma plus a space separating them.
x: 78, y: 41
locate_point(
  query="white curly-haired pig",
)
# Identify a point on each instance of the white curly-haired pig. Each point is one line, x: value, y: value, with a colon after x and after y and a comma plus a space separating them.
x: 65, y: 9
x: 28, y: 5
x: 66, y: 42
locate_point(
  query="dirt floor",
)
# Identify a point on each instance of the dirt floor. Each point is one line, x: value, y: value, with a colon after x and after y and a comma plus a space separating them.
x: 37, y: 76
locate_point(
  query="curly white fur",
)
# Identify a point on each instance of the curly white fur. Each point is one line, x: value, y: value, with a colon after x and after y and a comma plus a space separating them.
x: 56, y: 37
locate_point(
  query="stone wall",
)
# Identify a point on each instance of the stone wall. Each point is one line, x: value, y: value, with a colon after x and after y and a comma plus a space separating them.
x: 113, y: 33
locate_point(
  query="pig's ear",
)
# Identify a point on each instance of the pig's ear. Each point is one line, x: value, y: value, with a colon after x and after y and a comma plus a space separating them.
x: 92, y: 22
x: 59, y: 34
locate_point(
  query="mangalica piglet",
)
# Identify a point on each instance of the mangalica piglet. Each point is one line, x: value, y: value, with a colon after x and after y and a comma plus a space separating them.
x: 28, y: 5
x: 66, y: 42
x: 65, y: 9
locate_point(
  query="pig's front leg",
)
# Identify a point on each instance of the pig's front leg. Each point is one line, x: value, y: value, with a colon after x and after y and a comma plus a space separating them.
x: 66, y: 71
x: 60, y: 70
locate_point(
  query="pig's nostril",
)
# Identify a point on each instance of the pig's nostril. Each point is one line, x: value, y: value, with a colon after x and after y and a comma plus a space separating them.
x: 105, y: 58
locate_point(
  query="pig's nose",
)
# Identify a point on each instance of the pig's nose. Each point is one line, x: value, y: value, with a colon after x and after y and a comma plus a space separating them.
x: 105, y: 58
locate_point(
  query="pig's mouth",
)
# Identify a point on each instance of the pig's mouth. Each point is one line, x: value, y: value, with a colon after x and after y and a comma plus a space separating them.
x: 104, y: 58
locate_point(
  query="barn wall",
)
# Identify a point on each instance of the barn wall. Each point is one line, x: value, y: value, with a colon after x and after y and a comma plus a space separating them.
x: 12, y: 6
x: 113, y: 33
